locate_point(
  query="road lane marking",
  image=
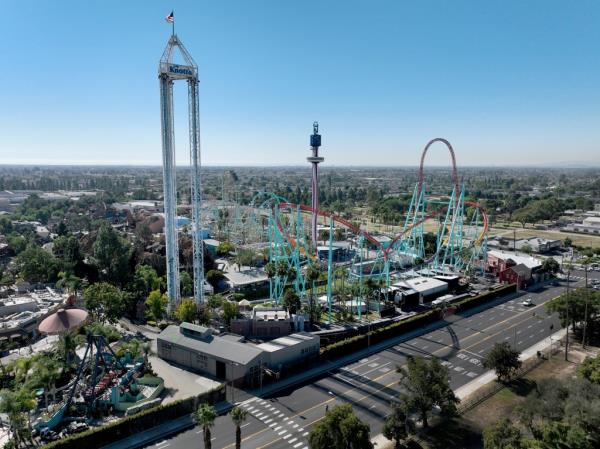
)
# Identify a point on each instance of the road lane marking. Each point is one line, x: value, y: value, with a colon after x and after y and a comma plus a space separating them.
x: 476, y: 334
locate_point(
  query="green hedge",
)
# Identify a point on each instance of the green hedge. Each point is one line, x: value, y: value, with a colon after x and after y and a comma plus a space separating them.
x: 101, y: 436
x: 485, y: 297
x: 358, y: 342
x: 361, y: 341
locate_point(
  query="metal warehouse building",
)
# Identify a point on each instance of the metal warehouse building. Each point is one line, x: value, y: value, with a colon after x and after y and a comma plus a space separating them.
x: 228, y: 357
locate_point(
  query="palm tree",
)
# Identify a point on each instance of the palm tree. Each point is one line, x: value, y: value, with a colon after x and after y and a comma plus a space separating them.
x: 69, y: 281
x: 205, y: 417
x: 238, y: 416
x: 67, y: 345
x: 47, y: 375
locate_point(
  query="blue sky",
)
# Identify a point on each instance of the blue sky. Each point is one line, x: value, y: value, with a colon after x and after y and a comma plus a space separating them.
x: 507, y: 82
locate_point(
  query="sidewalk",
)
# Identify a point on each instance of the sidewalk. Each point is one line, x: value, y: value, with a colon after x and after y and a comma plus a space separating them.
x: 373, y: 349
x: 466, y: 390
x: 170, y: 428
x: 162, y: 431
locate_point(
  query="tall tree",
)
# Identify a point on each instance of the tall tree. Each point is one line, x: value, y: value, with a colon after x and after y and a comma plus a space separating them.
x: 37, y: 265
x: 205, y: 417
x: 504, y: 360
x: 187, y: 311
x: 67, y: 251
x: 291, y: 300
x: 427, y: 384
x: 340, y: 429
x: 111, y: 254
x: 238, y: 416
x: 157, y: 304
x: 186, y: 284
x: 397, y: 425
x: 104, y: 302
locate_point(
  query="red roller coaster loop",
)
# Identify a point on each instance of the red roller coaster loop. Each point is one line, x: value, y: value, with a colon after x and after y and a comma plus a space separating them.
x: 386, y: 251
x: 454, y: 170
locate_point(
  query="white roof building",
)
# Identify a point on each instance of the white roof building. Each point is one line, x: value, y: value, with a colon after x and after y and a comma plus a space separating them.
x: 528, y: 261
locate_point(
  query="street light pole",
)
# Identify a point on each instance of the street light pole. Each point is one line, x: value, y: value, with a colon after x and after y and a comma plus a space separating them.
x: 567, y: 315
x: 587, y: 296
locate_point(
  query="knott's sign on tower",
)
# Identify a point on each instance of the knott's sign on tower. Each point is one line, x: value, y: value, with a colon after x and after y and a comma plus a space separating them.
x: 178, y: 71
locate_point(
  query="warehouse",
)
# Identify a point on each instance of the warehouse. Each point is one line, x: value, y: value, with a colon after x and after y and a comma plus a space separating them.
x: 228, y: 357
x: 201, y: 349
x: 427, y: 288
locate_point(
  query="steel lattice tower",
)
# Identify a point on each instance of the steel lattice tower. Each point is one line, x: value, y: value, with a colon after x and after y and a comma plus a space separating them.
x: 168, y: 72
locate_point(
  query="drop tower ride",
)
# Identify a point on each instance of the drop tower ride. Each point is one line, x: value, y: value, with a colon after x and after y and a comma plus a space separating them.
x: 168, y: 73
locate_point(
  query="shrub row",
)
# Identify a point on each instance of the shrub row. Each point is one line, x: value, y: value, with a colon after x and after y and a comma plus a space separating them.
x: 358, y: 342
x: 101, y: 436
x: 474, y: 301
x: 361, y: 341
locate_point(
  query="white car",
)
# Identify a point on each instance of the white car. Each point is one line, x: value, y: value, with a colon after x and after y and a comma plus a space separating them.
x: 527, y: 302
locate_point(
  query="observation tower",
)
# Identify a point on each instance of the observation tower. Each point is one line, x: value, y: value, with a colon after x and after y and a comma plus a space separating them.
x: 168, y: 73
x: 315, y: 160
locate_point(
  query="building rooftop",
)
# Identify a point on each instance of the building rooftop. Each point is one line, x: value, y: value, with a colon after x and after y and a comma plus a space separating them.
x: 528, y: 261
x: 421, y: 284
x: 214, y: 345
x: 287, y: 341
x: 270, y: 314
x: 246, y: 276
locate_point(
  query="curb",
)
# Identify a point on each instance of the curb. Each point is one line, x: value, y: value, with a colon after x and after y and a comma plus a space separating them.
x: 489, y: 376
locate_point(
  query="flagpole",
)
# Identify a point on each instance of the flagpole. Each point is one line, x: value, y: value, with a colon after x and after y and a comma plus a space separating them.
x: 173, y: 23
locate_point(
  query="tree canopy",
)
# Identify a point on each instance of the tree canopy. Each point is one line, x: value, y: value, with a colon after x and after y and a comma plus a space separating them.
x: 340, y: 429
x: 104, y: 301
x: 157, y: 304
x: 111, y: 254
x: 502, y: 435
x: 426, y: 383
x: 37, y: 265
x: 187, y: 311
x: 504, y: 360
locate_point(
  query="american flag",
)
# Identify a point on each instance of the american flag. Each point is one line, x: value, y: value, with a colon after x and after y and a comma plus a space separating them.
x: 170, y: 18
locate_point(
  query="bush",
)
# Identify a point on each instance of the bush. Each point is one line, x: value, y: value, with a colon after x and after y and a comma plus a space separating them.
x: 484, y: 297
x: 130, y: 425
x: 361, y: 341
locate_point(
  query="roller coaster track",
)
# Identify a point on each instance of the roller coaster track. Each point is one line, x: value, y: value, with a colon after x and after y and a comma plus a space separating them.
x: 358, y: 231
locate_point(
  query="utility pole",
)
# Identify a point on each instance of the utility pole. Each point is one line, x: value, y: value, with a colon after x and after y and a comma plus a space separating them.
x: 587, y: 297
x: 515, y: 241
x: 567, y: 301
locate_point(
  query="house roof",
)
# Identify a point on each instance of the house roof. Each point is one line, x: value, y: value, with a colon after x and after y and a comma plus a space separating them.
x: 528, y: 261
x: 521, y: 270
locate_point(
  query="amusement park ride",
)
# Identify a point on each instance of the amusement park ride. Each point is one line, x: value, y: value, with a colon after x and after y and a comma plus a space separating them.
x: 168, y: 72
x: 460, y: 234
x: 102, y: 381
x: 288, y: 229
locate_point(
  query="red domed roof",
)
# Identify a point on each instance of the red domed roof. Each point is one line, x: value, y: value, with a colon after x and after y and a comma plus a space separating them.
x: 62, y: 321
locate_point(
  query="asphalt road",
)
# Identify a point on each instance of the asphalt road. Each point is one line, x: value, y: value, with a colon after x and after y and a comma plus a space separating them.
x: 284, y: 421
